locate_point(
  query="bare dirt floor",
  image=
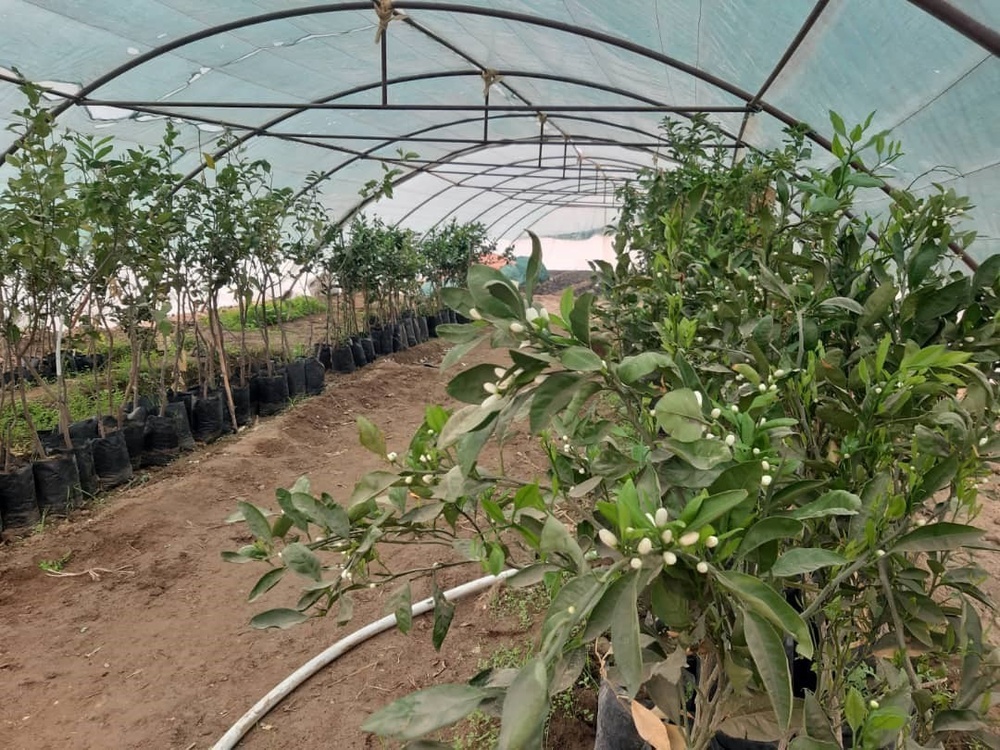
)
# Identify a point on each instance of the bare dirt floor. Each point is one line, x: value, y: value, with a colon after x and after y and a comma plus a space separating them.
x: 155, y: 650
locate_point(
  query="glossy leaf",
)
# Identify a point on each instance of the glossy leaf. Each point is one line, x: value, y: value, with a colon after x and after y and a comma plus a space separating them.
x: 768, y: 651
x: 804, y: 560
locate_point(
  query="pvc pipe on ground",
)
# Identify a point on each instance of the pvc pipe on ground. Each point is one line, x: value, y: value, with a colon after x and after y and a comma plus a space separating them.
x: 283, y: 689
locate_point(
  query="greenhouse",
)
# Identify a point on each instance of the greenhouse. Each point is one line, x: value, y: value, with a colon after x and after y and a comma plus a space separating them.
x: 575, y: 374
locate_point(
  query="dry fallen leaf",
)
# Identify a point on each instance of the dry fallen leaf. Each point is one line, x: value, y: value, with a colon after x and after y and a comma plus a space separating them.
x: 650, y: 728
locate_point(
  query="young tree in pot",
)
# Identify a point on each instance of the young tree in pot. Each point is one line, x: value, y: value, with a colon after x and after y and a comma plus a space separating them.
x: 127, y: 210
x: 225, y: 215
x: 42, y: 221
x: 748, y: 496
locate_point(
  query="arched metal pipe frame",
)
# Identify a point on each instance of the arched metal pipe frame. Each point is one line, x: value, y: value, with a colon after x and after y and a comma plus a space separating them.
x: 490, y: 171
x: 941, y: 9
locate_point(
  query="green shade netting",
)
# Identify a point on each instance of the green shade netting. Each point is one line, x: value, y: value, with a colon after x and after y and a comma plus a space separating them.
x: 517, y: 271
x: 254, y: 66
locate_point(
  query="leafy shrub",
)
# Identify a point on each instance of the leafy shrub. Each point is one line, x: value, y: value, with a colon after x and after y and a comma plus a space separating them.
x: 777, y: 413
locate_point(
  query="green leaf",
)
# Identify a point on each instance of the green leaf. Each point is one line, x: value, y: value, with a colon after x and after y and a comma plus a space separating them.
x: 277, y: 618
x: 804, y: 560
x: 679, y: 415
x: 458, y: 351
x: 534, y: 266
x: 400, y: 604
x: 823, y: 204
x: 371, y: 437
x: 444, y: 611
x: 702, y: 454
x: 938, y: 537
x: 716, y: 506
x: 330, y: 517
x: 878, y: 304
x: 855, y: 709
x: 817, y: 723
x: 579, y: 318
x: 461, y: 333
x: 265, y: 583
x: 632, y: 369
x: 557, y: 539
x: 838, y: 124
x: 770, y: 605
x: 256, y: 520
x: 566, y: 304
x: 769, y: 530
x: 465, y: 420
x: 843, y: 303
x: 424, y: 711
x: 833, y: 503
x: 371, y: 485
x: 525, y: 708
x: 937, y: 478
x: 550, y: 397
x: 625, y: 636
x: 768, y: 651
x: 467, y: 386
x: 303, y: 561
x: 957, y: 721
x: 580, y: 359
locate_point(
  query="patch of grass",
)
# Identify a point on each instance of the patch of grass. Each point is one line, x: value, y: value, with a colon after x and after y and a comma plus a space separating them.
x: 55, y: 566
x: 267, y: 315
x: 511, y: 656
x: 522, y: 604
x: 477, y: 732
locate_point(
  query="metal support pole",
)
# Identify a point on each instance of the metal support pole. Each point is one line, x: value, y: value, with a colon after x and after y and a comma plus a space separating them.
x: 385, y: 68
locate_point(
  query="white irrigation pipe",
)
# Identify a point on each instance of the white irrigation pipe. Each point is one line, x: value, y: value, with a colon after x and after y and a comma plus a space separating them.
x: 283, y: 689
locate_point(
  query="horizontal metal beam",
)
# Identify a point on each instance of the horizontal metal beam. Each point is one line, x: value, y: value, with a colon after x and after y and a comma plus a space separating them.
x: 363, y: 107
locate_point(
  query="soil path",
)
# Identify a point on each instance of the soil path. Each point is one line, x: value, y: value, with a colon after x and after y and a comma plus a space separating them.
x: 160, y: 655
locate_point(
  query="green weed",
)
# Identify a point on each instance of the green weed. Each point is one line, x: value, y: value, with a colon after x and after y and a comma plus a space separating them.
x: 55, y: 566
x: 522, y: 604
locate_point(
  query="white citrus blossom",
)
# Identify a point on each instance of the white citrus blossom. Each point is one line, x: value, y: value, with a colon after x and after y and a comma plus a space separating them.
x: 516, y: 327
x: 689, y: 538
x: 669, y: 558
x: 765, y: 481
x: 779, y: 373
x: 921, y: 522
x: 756, y: 451
x: 702, y: 567
x: 667, y: 536
x: 880, y: 553
x: 645, y: 546
x: 730, y: 440
x: 765, y: 465
x: 636, y: 563
x: 761, y: 387
x: 392, y: 456
x: 474, y: 314
x: 716, y: 412
x: 608, y: 538
x: 698, y: 397
x: 408, y: 480
x: 531, y: 314
x: 712, y: 542
x: 983, y: 441
x: 499, y: 372
x: 873, y: 704
x: 490, y: 387
x: 735, y: 408
x: 661, y: 518
x: 428, y: 478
